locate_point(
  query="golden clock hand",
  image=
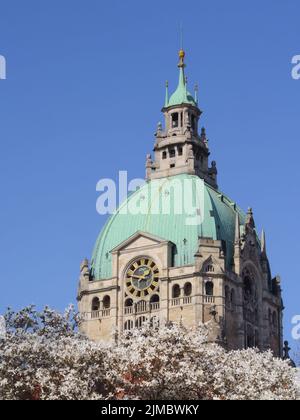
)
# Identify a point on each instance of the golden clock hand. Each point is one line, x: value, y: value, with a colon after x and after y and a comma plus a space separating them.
x: 143, y: 276
x: 137, y: 277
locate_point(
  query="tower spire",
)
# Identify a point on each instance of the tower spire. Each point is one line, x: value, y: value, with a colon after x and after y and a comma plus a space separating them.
x: 196, y: 93
x: 181, y: 63
x: 263, y: 243
x: 167, y: 94
x: 181, y: 95
x: 181, y: 66
x: 250, y: 219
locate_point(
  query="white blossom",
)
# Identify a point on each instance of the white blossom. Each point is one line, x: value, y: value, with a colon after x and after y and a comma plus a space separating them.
x: 43, y: 357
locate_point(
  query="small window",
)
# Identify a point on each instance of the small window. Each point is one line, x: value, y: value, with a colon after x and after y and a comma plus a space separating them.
x: 154, y: 299
x: 210, y: 269
x: 95, y: 305
x: 193, y: 121
x: 209, y: 288
x: 180, y: 151
x: 140, y: 322
x: 128, y: 303
x: 172, y: 166
x: 128, y: 325
x: 172, y: 153
x: 188, y: 288
x: 164, y: 155
x: 176, y: 292
x: 106, y: 302
x: 175, y: 120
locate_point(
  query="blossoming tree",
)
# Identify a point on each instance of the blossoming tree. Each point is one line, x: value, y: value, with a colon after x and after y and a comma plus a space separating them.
x: 44, y: 357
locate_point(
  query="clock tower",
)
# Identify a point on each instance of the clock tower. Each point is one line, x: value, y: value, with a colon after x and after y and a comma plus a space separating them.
x: 155, y: 266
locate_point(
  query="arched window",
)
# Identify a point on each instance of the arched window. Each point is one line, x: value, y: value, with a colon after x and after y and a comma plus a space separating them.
x: 106, y: 302
x: 128, y: 303
x: 209, y: 288
x: 248, y: 289
x: 128, y: 325
x: 154, y: 299
x: 188, y: 289
x: 175, y: 120
x: 176, y: 291
x: 140, y: 321
x: 95, y: 304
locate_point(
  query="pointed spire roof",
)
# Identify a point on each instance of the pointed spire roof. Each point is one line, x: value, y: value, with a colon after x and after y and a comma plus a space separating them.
x: 263, y: 243
x: 167, y: 94
x: 181, y: 95
x: 250, y: 219
x: 196, y: 93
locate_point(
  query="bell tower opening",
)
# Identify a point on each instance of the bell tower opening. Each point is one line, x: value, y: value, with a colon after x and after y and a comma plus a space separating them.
x: 175, y: 120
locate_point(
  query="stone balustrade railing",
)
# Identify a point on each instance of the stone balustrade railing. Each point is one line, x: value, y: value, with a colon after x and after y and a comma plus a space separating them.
x: 145, y: 307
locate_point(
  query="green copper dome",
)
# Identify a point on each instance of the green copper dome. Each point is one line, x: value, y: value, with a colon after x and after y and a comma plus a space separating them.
x: 219, y: 221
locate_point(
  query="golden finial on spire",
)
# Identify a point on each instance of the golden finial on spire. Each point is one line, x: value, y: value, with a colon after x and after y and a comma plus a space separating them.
x: 181, y: 58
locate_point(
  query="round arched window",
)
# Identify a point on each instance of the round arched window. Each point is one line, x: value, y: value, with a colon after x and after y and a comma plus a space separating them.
x: 154, y: 299
x: 176, y: 291
x: 209, y: 288
x: 95, y: 304
x: 188, y: 289
x: 128, y: 303
x: 106, y: 302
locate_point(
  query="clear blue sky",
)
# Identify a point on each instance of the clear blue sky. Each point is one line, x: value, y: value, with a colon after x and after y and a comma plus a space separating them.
x: 84, y: 89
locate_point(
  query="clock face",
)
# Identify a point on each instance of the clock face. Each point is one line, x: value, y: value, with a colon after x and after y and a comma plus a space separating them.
x: 142, y: 278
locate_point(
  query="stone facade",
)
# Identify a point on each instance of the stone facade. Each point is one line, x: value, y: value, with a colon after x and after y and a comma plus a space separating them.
x: 241, y: 301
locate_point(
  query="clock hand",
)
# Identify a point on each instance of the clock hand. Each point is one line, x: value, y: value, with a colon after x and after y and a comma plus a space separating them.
x: 143, y: 276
